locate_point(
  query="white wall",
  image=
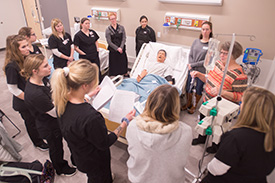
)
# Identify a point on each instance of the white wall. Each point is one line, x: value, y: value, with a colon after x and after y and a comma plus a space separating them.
x: 264, y: 64
x: 11, y: 20
x: 234, y: 16
x: 225, y: 20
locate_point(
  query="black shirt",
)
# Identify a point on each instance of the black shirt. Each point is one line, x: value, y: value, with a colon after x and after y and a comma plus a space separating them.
x: 243, y: 150
x: 63, y: 46
x: 14, y: 77
x: 38, y: 100
x: 85, y: 131
x: 87, y: 43
x: 36, y: 50
x: 144, y: 35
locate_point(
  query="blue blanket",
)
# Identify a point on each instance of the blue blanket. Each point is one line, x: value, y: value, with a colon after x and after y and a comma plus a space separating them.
x: 143, y: 88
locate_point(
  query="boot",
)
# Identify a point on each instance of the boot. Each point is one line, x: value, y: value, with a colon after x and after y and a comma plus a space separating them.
x: 189, y: 102
x: 200, y: 140
x: 193, y: 108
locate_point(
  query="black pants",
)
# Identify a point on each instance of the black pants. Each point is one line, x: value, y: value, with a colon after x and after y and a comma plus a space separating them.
x: 95, y: 60
x: 92, y: 178
x: 59, y: 64
x: 31, y: 127
x: 56, y: 152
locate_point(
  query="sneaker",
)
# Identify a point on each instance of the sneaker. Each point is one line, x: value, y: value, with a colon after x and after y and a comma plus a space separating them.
x: 67, y: 171
x: 42, y: 147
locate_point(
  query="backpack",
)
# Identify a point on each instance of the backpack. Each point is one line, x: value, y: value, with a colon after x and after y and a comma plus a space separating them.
x: 27, y: 172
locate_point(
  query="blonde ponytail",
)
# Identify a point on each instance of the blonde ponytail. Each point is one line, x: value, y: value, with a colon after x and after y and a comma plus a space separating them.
x: 60, y: 90
x: 80, y: 72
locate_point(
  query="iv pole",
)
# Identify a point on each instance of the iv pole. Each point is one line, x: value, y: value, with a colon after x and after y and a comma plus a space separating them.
x: 252, y: 38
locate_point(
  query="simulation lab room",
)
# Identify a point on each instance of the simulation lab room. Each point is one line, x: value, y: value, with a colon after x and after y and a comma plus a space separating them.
x: 159, y: 91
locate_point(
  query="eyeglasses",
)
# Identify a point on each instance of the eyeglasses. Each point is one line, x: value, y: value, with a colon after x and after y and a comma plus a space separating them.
x: 223, y: 53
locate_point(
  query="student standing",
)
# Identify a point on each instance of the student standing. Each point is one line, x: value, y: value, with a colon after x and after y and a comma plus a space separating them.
x: 81, y: 125
x: 39, y: 102
x: 247, y: 152
x: 30, y: 36
x: 60, y: 42
x: 158, y: 143
x: 86, y: 42
x: 116, y: 39
x: 16, y: 51
x: 197, y: 55
x: 144, y: 33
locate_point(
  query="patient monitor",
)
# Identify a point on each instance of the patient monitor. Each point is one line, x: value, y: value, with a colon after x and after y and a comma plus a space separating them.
x: 250, y: 59
x: 226, y: 111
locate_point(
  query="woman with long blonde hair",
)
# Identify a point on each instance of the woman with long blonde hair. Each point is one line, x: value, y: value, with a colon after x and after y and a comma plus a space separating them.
x: 60, y: 42
x: 247, y: 152
x: 16, y: 51
x: 39, y: 102
x: 158, y: 143
x: 81, y: 125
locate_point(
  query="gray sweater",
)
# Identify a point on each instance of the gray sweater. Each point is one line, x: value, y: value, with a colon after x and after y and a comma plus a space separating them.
x: 197, y: 55
x: 110, y: 32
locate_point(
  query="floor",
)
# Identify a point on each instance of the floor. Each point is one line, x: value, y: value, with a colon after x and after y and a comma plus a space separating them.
x: 118, y: 150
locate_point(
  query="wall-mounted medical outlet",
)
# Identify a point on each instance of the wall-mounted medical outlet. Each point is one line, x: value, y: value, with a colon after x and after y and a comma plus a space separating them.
x: 185, y: 21
x: 103, y: 13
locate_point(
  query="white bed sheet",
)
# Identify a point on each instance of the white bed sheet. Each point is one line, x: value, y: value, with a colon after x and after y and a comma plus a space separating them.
x: 177, y: 59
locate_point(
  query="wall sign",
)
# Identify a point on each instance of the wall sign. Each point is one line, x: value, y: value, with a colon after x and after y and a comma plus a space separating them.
x: 103, y: 13
x: 184, y: 21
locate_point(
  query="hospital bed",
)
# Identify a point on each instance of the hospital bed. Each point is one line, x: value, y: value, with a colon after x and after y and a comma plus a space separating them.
x: 177, y: 59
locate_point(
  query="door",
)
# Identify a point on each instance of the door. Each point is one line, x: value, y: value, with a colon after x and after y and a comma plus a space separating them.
x: 12, y: 18
x: 32, y: 13
x: 55, y: 9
